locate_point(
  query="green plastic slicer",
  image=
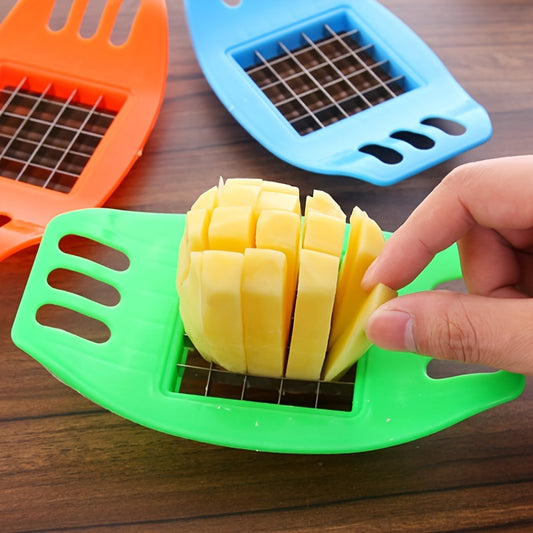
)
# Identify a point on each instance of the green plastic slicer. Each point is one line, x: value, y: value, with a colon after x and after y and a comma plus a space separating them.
x: 142, y: 371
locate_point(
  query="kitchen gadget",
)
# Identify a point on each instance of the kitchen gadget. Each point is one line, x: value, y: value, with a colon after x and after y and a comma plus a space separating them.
x: 138, y: 363
x: 334, y: 87
x: 75, y: 112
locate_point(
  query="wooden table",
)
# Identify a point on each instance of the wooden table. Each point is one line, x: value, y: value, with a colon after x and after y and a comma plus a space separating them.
x: 68, y: 465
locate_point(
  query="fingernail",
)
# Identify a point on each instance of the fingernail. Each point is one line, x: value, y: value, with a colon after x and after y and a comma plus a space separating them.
x: 391, y: 329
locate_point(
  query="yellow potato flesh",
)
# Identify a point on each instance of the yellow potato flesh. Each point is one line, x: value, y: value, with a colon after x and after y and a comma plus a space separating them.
x: 317, y: 284
x: 233, y: 194
x: 312, y: 314
x: 279, y: 201
x: 221, y: 308
x: 322, y: 202
x: 265, y: 311
x: 207, y: 200
x: 323, y: 233
x: 365, y: 242
x: 280, y: 230
x: 194, y: 238
x: 265, y: 292
x: 190, y: 291
x: 353, y: 342
x: 232, y: 228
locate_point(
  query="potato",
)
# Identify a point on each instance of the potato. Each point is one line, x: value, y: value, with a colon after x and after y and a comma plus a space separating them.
x: 268, y: 292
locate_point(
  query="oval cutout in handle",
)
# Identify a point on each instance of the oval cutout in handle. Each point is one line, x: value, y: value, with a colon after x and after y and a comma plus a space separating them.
x: 384, y: 154
x: 451, y: 127
x: 417, y: 140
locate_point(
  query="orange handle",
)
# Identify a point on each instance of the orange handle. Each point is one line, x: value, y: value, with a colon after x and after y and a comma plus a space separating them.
x: 16, y: 235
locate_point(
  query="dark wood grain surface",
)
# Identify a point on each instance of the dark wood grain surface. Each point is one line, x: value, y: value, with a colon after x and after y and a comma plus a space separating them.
x: 68, y: 465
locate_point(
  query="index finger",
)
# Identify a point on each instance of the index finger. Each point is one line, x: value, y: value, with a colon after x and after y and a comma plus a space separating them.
x: 492, y: 193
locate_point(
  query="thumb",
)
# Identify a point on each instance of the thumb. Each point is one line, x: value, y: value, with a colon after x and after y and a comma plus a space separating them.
x: 449, y: 325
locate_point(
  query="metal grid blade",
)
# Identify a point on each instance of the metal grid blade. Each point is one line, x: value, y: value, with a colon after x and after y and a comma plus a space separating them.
x: 325, y: 80
x: 197, y: 376
x: 46, y: 140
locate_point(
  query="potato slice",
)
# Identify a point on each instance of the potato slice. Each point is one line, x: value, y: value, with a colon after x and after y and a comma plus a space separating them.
x: 207, y: 200
x: 266, y: 318
x: 232, y: 193
x: 190, y: 292
x: 323, y: 233
x: 280, y: 201
x: 323, y: 237
x: 353, y: 342
x: 232, y: 228
x: 194, y: 239
x: 322, y: 202
x: 265, y: 185
x: 221, y: 309
x: 317, y: 281
x: 365, y: 242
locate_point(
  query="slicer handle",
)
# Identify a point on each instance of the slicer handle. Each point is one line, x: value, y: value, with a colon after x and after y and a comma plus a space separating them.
x: 16, y: 235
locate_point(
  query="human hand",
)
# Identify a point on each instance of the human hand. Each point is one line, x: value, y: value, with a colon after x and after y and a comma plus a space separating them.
x: 487, y: 207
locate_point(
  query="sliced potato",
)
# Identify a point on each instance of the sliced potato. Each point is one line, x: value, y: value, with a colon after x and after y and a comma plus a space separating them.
x: 365, y: 242
x: 317, y: 281
x: 323, y: 233
x: 353, y: 342
x: 266, y: 318
x: 190, y: 292
x: 221, y: 308
x: 232, y: 228
x: 266, y: 292
x: 322, y: 202
x: 207, y: 200
x: 280, y: 230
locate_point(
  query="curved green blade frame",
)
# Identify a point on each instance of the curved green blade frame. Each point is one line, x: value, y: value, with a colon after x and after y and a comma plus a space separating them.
x: 134, y: 373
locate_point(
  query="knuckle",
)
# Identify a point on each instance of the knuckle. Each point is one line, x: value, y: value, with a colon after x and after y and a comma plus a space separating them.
x: 461, y: 174
x: 460, y: 179
x: 464, y: 342
x: 459, y: 337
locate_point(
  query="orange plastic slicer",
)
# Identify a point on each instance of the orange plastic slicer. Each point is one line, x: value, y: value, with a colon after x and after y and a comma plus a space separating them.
x: 75, y: 112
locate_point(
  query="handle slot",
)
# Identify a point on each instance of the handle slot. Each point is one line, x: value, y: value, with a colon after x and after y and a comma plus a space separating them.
x: 77, y: 283
x: 417, y: 140
x: 95, y: 251
x: 442, y: 369
x: 115, y: 21
x: 383, y: 153
x: 78, y: 324
x: 451, y: 127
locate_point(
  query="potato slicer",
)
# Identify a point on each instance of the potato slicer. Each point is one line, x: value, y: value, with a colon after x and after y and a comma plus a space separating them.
x: 146, y: 371
x: 336, y: 87
x: 75, y: 112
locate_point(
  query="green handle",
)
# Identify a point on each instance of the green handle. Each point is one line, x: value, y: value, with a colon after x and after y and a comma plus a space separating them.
x: 134, y: 373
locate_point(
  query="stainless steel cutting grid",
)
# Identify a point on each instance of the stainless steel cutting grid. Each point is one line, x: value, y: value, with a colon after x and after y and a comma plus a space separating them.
x: 326, y: 80
x: 199, y: 377
x: 46, y: 140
